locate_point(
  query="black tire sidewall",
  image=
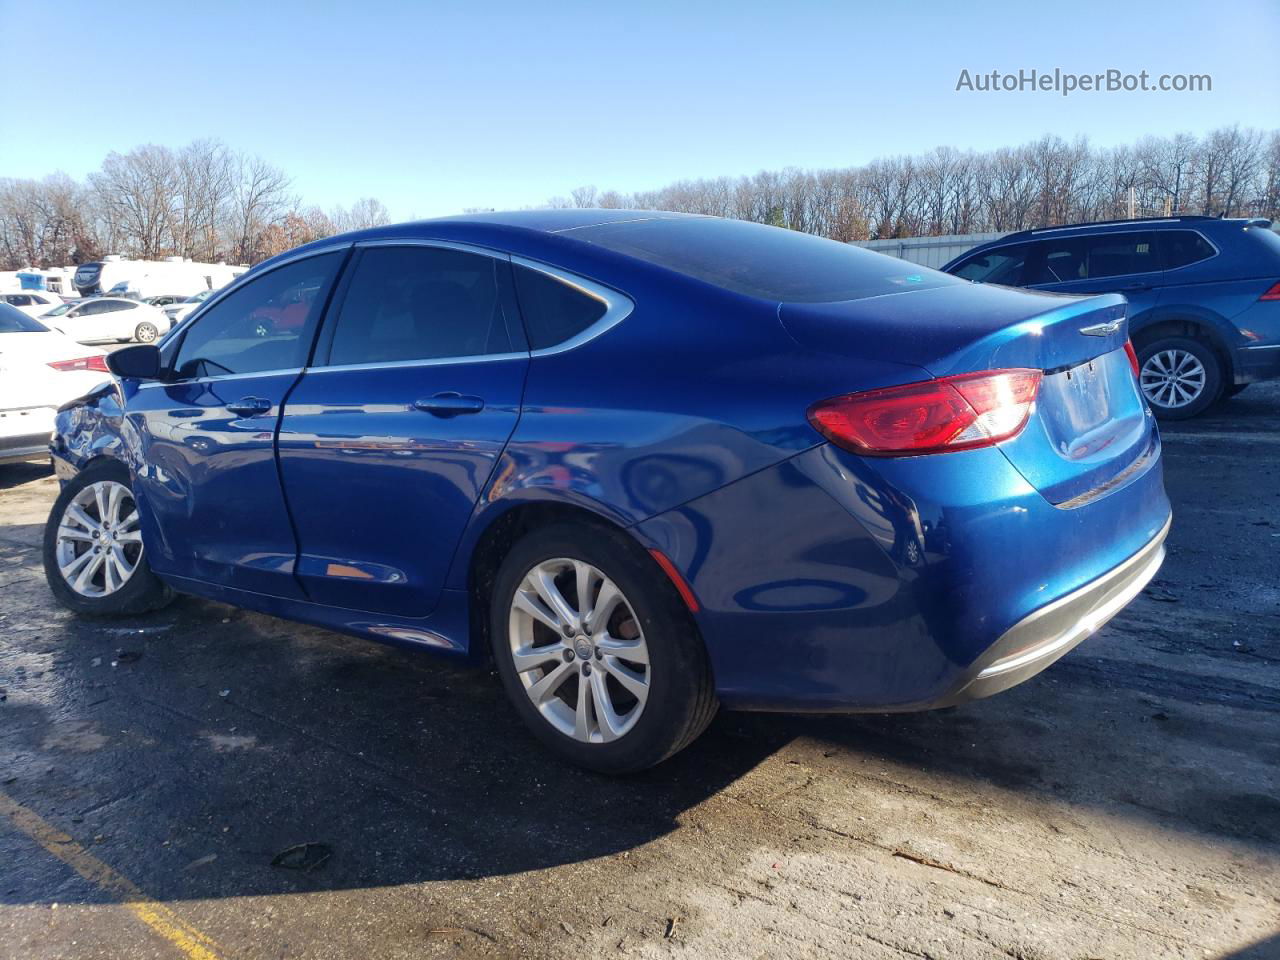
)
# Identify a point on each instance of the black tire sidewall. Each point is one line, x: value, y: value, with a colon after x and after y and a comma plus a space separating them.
x: 138, y: 336
x: 1212, y: 380
x: 143, y: 592
x: 679, y: 677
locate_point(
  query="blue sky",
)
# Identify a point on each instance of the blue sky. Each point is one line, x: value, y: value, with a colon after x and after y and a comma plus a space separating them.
x: 437, y: 106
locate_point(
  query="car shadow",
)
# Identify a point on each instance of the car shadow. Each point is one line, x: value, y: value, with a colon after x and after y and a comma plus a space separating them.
x: 16, y: 474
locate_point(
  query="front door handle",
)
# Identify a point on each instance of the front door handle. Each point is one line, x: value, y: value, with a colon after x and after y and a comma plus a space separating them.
x: 1136, y: 287
x: 449, y: 404
x: 250, y: 406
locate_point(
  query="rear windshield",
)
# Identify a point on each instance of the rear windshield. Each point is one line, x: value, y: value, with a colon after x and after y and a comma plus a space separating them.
x: 13, y: 320
x: 766, y: 262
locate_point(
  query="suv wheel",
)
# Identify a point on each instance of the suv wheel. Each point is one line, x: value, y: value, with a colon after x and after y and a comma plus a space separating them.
x: 1179, y: 376
x: 94, y: 558
x: 596, y: 651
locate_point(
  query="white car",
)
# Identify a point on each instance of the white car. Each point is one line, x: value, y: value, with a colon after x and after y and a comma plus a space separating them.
x: 100, y: 319
x: 178, y: 312
x: 40, y: 369
x: 33, y: 303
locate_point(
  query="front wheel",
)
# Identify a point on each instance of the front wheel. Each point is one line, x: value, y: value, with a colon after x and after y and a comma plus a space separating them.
x: 596, y: 651
x: 94, y: 558
x: 1180, y: 377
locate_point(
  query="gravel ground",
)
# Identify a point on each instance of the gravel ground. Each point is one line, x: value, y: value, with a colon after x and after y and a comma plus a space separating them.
x: 1125, y: 804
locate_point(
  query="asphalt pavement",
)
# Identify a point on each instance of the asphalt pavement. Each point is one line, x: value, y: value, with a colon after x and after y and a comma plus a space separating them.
x: 208, y: 783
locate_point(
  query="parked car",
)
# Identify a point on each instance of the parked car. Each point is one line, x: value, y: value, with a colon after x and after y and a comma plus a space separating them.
x: 177, y: 312
x: 106, y: 319
x: 1204, y: 295
x: 166, y: 300
x: 32, y: 303
x: 40, y: 369
x: 644, y: 463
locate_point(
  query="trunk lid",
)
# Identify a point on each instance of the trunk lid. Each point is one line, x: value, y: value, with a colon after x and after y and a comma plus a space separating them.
x: 1090, y: 430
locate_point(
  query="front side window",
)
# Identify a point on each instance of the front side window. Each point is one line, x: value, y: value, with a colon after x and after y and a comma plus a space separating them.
x: 424, y: 303
x: 1002, y: 265
x: 266, y: 324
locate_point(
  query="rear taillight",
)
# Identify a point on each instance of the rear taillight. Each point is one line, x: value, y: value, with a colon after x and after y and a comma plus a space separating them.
x: 98, y: 363
x: 1132, y: 354
x: 1273, y: 292
x: 934, y: 416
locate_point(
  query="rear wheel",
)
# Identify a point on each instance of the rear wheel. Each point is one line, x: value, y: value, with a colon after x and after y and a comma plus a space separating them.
x: 94, y: 558
x: 1179, y: 376
x: 596, y: 651
x: 146, y: 332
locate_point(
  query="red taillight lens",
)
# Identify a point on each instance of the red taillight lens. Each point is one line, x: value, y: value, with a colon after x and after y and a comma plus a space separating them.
x: 935, y: 416
x: 98, y: 363
x: 1273, y: 292
x: 1132, y: 354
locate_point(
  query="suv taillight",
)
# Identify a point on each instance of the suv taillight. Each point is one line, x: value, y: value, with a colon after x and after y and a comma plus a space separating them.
x: 1273, y: 292
x: 934, y: 416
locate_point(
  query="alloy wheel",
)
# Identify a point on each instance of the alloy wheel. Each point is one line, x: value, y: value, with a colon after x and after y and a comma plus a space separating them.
x: 146, y: 333
x: 99, y: 545
x: 578, y: 650
x: 1172, y: 378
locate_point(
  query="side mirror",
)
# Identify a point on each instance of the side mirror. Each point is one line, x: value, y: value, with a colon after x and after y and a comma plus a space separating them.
x: 136, y: 363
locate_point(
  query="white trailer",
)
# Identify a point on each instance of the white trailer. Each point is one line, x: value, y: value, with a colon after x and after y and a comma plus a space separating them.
x: 152, y: 278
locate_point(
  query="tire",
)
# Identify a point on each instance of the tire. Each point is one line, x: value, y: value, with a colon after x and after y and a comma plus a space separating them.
x: 679, y: 696
x: 146, y: 332
x: 69, y: 537
x: 1179, y: 377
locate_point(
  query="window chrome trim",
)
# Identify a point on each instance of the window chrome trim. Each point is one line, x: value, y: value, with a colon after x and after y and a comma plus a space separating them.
x: 475, y: 248
x: 218, y: 378
x: 618, y: 305
x: 428, y: 362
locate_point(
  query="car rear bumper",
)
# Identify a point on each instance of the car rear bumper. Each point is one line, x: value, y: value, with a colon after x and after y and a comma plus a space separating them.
x: 32, y: 446
x: 1260, y: 362
x: 1049, y: 633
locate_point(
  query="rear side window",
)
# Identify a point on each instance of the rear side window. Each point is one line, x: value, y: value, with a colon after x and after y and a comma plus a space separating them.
x: 1002, y: 265
x: 424, y: 303
x: 1094, y: 258
x: 553, y: 311
x: 1183, y: 247
x: 760, y: 261
x: 265, y: 324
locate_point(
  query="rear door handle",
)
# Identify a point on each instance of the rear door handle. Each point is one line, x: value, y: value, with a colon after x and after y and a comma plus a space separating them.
x: 1135, y: 287
x: 250, y: 406
x: 449, y: 404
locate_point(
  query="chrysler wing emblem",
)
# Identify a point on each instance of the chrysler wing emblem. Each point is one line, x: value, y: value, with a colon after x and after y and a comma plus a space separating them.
x: 1102, y: 329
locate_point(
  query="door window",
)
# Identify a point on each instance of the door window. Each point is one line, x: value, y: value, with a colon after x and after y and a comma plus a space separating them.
x: 1002, y: 265
x: 1095, y: 258
x: 266, y: 324
x: 425, y: 303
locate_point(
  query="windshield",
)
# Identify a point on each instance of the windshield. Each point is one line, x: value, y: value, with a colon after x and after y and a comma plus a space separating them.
x: 760, y: 261
x: 58, y: 311
x: 200, y: 297
x: 13, y: 320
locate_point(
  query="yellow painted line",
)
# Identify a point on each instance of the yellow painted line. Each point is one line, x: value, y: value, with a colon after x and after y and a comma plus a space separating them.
x: 193, y: 944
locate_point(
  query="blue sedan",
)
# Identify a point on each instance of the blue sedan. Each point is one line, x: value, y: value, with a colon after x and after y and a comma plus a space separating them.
x: 645, y: 464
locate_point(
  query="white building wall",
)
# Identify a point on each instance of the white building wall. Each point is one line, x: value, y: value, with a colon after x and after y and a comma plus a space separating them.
x: 928, y: 251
